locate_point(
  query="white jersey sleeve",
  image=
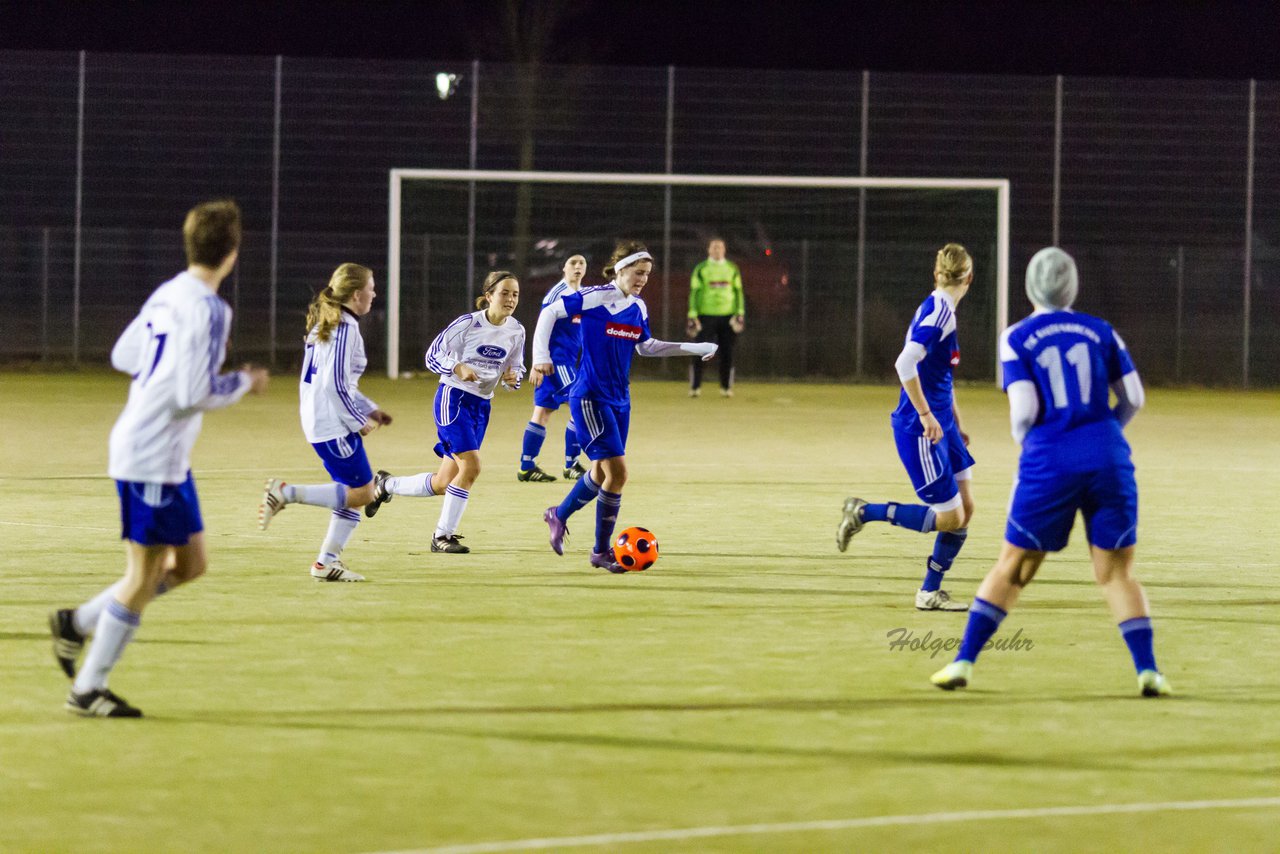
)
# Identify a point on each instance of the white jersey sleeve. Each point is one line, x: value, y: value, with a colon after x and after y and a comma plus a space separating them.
x: 551, y: 312
x: 447, y: 350
x: 515, y: 359
x: 200, y: 385
x: 126, y: 355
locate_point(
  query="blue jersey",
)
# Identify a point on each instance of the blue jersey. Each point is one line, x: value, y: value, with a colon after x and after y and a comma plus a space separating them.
x: 611, y: 326
x: 566, y: 342
x: 1072, y: 359
x: 934, y: 329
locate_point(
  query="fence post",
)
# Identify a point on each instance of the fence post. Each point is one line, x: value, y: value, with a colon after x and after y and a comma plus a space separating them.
x: 1248, y: 237
x: 426, y: 287
x: 75, y: 276
x: 667, y: 290
x: 804, y: 305
x: 44, y: 294
x: 862, y: 228
x: 1179, y: 268
x: 1057, y: 157
x: 273, y: 273
x: 471, y: 185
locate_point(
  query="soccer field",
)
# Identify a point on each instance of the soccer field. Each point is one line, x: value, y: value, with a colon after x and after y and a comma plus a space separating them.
x: 740, y: 696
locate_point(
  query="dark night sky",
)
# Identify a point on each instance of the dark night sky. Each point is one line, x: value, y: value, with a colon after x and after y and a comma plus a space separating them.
x: 1172, y: 38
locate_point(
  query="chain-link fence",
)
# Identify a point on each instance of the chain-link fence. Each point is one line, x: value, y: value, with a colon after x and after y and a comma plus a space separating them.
x: 1167, y: 192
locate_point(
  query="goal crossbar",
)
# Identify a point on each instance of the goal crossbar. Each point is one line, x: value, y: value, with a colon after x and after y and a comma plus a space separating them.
x: 397, y: 177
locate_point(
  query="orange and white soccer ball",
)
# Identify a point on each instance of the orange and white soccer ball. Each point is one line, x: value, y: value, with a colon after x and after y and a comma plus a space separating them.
x: 636, y: 549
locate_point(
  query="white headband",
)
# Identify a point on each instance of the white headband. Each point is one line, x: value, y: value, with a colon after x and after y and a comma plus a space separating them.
x: 631, y: 259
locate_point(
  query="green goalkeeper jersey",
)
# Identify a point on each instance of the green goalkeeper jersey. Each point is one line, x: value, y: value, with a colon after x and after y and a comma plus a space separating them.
x: 716, y: 289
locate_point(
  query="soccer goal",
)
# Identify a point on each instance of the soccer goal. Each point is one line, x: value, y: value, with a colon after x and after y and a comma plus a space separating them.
x: 832, y: 267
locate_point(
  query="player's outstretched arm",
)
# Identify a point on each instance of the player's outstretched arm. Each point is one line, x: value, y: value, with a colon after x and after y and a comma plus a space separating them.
x: 654, y: 347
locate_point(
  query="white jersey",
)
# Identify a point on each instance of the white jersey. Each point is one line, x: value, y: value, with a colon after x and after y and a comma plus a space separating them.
x: 330, y: 404
x: 488, y: 350
x: 173, y: 349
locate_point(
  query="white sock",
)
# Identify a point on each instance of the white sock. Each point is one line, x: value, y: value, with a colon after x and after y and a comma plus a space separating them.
x: 85, y: 618
x: 114, y: 631
x: 455, y: 502
x: 331, y: 495
x: 341, y: 526
x: 418, y: 485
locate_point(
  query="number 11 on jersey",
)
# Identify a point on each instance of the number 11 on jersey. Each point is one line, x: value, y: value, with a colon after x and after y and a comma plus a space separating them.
x: 1050, y: 359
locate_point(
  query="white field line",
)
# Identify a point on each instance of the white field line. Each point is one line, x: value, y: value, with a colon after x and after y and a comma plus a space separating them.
x: 608, y: 839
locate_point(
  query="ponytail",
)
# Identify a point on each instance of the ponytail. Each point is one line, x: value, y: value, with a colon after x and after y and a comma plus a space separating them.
x: 325, y: 311
x: 952, y: 266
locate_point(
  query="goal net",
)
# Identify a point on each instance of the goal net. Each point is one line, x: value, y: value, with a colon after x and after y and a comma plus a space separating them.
x: 832, y: 268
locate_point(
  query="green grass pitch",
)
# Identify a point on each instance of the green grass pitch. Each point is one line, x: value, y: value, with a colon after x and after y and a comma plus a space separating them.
x: 512, y: 695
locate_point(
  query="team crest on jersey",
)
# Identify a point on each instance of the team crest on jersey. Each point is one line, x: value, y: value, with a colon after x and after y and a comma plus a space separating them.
x: 491, y: 352
x: 955, y: 358
x: 577, y: 318
x: 622, y: 330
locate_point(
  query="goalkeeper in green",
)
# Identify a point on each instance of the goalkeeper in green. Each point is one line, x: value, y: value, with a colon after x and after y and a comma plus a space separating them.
x: 716, y: 309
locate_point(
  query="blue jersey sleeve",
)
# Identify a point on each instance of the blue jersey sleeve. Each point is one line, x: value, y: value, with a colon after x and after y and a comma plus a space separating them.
x: 1119, y: 362
x: 572, y: 303
x: 930, y: 323
x: 1013, y: 368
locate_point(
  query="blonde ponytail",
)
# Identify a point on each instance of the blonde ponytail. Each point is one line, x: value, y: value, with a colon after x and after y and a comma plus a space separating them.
x: 325, y: 312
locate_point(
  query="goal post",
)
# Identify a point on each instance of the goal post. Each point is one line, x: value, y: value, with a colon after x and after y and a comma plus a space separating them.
x: 469, y: 180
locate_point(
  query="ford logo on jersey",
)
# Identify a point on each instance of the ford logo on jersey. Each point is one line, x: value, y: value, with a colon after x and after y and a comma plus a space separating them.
x: 491, y: 352
x: 621, y: 330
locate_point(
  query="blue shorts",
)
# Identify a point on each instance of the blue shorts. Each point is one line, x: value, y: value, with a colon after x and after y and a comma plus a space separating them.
x: 461, y: 419
x: 345, y: 460
x: 159, y: 514
x: 602, y: 428
x: 933, y: 469
x: 1045, y: 501
x: 554, y: 390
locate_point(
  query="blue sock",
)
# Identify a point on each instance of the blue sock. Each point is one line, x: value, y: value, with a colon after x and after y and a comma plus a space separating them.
x: 606, y: 517
x: 917, y: 517
x: 1139, y: 636
x: 582, y: 494
x: 572, y: 447
x: 533, y: 436
x: 984, y: 619
x: 945, y: 548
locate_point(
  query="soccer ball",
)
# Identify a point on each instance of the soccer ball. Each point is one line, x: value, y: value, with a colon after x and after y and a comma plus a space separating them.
x: 636, y: 549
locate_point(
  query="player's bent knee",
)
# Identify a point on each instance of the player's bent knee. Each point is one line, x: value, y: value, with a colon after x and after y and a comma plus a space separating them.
x: 186, y: 572
x: 950, y: 520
